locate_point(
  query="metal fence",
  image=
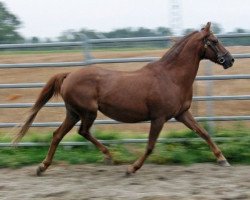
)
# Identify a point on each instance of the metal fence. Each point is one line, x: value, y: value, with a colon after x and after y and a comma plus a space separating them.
x: 88, y: 60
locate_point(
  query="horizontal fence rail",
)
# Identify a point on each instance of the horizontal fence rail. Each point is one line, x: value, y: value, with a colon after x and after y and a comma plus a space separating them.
x: 124, y: 141
x: 94, y: 61
x: 196, y: 98
x: 108, y: 40
x: 110, y: 121
x: 80, y: 63
x: 198, y: 78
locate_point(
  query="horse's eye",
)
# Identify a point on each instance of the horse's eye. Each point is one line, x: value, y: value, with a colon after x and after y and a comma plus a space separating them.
x: 215, y: 41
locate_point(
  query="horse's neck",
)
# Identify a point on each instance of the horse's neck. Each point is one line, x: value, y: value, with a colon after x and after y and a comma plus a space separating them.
x: 184, y: 67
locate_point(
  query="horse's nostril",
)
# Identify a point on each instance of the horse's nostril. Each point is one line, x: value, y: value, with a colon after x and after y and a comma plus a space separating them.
x: 232, y: 60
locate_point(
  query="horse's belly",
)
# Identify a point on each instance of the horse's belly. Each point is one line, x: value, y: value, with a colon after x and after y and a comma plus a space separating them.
x: 125, y: 114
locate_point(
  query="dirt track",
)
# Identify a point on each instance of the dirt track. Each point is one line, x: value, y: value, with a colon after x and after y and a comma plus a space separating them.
x: 152, y: 182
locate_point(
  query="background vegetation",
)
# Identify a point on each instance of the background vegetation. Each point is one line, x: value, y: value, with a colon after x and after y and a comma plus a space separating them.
x: 173, y: 151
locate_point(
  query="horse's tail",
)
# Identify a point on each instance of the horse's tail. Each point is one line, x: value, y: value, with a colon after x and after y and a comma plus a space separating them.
x: 52, y: 88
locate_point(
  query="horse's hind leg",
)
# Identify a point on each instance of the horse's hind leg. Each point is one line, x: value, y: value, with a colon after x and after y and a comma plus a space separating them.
x: 68, y: 123
x: 190, y: 122
x: 87, y: 120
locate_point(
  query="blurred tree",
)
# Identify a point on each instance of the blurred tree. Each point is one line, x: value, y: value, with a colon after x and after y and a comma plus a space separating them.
x: 123, y: 32
x: 9, y: 23
x: 91, y: 34
x: 188, y: 30
x: 216, y: 28
x: 73, y: 36
x: 143, y: 32
x: 162, y: 31
x: 48, y: 40
x: 240, y: 30
x: 35, y: 40
x: 68, y: 36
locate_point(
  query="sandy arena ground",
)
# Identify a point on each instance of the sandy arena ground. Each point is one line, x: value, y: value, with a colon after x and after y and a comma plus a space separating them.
x: 152, y: 182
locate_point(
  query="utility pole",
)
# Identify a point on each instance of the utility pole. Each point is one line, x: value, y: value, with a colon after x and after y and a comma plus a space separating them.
x: 175, y: 16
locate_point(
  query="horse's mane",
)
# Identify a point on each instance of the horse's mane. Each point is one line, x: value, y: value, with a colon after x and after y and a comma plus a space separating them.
x: 177, y: 48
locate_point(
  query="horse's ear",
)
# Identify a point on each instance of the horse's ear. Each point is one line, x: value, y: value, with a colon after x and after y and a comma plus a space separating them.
x: 206, y: 30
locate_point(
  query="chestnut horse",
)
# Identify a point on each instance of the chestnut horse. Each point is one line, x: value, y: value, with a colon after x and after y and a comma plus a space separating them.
x: 157, y: 92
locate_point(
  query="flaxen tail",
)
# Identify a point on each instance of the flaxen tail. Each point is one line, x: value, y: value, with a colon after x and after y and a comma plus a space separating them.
x: 51, y: 88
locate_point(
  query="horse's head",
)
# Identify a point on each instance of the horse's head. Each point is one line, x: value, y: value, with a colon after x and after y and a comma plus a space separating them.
x: 213, y: 48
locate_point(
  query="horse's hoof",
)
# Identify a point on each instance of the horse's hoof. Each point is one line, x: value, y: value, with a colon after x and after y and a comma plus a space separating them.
x: 127, y: 174
x: 39, y: 171
x: 130, y: 171
x: 223, y: 163
x: 108, y: 161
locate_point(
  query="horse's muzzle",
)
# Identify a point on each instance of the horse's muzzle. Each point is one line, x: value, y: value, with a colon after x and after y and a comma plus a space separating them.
x: 226, y: 61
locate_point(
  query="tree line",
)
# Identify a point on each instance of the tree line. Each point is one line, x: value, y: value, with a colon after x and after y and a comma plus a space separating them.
x: 9, y: 25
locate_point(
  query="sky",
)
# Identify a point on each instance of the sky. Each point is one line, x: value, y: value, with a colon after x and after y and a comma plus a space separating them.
x: 49, y: 18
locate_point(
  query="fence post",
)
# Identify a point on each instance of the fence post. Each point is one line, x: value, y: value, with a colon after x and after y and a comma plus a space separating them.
x: 87, y: 57
x: 209, y: 92
x: 195, y: 105
x: 86, y: 48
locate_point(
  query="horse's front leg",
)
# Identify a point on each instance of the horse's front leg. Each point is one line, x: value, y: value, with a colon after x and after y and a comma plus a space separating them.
x: 187, y: 119
x: 155, y: 129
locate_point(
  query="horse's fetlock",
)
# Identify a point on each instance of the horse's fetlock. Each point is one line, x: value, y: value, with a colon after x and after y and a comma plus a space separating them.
x: 46, y: 164
x: 105, y: 151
